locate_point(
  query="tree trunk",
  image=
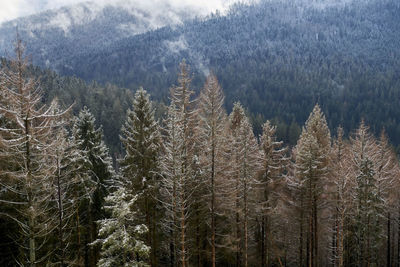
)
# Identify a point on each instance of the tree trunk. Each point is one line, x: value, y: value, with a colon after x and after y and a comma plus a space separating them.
x: 60, y: 216
x: 388, y: 259
x: 213, y: 202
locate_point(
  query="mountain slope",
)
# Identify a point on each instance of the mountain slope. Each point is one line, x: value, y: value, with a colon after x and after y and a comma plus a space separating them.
x: 277, y: 57
x: 55, y: 35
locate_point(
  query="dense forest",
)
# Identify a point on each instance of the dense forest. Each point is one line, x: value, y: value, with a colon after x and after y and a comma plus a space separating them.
x: 196, y: 187
x: 278, y: 58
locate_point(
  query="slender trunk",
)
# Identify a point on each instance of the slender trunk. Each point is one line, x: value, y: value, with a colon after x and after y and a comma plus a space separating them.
x: 388, y: 263
x: 78, y: 231
x: 198, y: 237
x: 334, y: 242
x: 245, y: 224
x: 238, y: 248
x: 32, y: 245
x: 398, y: 239
x: 301, y: 232
x: 301, y: 240
x: 171, y: 248
x: 149, y: 233
x: 341, y: 240
x: 60, y: 215
x: 263, y: 239
x: 183, y: 257
x: 213, y: 202
x: 153, y: 238
x: 32, y: 224
x: 315, y: 228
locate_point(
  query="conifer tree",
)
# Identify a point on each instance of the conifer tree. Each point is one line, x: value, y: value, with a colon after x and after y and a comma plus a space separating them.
x: 273, y: 161
x: 368, y: 201
x: 343, y: 186
x: 312, y: 163
x: 89, y: 141
x: 212, y: 124
x: 26, y: 144
x: 73, y: 187
x: 119, y: 236
x: 174, y: 188
x: 141, y: 138
x: 181, y: 125
x: 246, y: 164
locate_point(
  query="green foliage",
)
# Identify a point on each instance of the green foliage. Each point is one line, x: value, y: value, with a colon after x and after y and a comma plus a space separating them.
x: 139, y: 167
x: 120, y: 237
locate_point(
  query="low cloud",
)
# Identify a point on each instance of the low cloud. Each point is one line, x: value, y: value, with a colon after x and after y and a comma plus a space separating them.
x: 11, y: 9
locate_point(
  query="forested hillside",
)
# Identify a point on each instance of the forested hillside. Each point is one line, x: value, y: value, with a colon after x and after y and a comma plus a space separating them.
x: 197, y: 188
x: 54, y: 35
x: 277, y: 57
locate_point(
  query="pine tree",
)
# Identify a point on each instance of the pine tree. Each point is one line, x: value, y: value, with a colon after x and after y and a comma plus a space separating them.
x: 89, y: 141
x: 181, y: 125
x: 211, y: 127
x: 312, y: 163
x: 343, y: 186
x: 139, y: 167
x: 246, y: 164
x: 26, y: 143
x: 273, y: 165
x: 73, y: 186
x: 174, y: 187
x: 367, y: 235
x: 120, y: 237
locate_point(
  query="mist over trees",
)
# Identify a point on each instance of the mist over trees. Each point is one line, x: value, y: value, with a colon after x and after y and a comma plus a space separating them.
x: 196, y: 187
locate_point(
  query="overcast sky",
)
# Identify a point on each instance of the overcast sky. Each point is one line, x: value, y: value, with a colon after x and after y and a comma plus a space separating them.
x: 11, y: 9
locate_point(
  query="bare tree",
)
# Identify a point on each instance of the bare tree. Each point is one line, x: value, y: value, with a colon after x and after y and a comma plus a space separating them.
x: 27, y: 142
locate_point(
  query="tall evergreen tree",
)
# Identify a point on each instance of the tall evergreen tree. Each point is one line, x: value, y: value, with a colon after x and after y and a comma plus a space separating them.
x: 119, y: 236
x: 26, y: 144
x: 246, y: 164
x: 273, y: 161
x: 212, y: 124
x: 312, y: 168
x: 174, y: 188
x: 141, y: 138
x: 89, y: 141
x: 342, y: 191
x: 368, y: 202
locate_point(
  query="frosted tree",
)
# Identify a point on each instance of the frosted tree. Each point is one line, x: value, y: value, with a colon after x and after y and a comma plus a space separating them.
x: 312, y: 167
x: 211, y: 133
x: 368, y: 200
x: 246, y: 164
x: 179, y: 146
x: 119, y: 236
x: 273, y: 163
x: 174, y: 187
x: 26, y: 143
x: 89, y: 141
x: 343, y: 190
x: 73, y: 186
x: 141, y: 138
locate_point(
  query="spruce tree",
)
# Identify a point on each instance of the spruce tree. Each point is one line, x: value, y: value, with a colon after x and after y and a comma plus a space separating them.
x: 27, y: 142
x: 211, y: 127
x: 139, y: 167
x: 312, y: 168
x: 273, y: 162
x: 120, y: 237
x: 246, y: 164
x: 174, y: 188
x: 73, y: 186
x: 366, y: 236
x: 89, y: 141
